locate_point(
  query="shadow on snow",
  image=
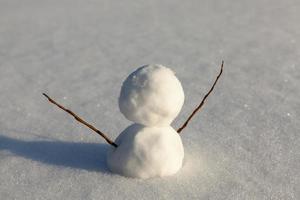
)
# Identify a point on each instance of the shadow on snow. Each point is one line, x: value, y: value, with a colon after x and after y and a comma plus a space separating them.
x: 88, y: 156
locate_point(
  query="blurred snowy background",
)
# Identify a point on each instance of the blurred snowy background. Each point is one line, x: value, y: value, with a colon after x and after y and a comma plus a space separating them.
x: 244, y: 144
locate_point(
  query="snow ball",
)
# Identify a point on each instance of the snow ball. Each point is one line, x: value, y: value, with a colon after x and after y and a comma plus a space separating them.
x: 145, y: 152
x: 152, y: 96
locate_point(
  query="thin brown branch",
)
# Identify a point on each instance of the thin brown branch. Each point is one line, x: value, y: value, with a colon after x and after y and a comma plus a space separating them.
x: 82, y: 121
x: 202, y: 102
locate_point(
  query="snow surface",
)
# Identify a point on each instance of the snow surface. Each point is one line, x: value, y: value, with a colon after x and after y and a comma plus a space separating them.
x: 146, y: 152
x: 151, y: 95
x: 244, y: 144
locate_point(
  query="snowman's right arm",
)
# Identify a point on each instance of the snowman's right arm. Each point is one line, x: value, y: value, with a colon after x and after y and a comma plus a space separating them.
x: 109, y: 141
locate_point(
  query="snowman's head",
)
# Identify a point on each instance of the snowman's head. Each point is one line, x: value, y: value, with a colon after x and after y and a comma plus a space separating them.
x: 152, y: 96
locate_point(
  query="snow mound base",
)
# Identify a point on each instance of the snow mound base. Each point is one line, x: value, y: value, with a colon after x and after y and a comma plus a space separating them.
x: 145, y: 152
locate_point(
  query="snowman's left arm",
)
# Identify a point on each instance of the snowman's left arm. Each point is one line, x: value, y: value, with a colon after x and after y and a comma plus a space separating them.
x: 202, y: 102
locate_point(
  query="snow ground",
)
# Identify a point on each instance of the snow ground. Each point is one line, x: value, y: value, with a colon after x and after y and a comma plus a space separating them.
x: 244, y: 144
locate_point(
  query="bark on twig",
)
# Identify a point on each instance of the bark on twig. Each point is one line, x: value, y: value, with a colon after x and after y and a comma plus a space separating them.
x: 202, y: 102
x: 82, y: 121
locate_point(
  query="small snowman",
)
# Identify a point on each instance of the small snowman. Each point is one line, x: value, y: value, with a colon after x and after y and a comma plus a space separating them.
x: 151, y: 97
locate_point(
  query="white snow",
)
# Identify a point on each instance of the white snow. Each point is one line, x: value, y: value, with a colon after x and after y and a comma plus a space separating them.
x: 146, y: 152
x: 83, y: 50
x: 152, y: 96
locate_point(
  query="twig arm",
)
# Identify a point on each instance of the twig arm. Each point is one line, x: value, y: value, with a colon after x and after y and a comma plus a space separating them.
x: 202, y: 102
x: 82, y: 121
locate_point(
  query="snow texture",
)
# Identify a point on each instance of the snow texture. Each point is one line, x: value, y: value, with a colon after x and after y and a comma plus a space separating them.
x: 244, y: 144
x: 152, y: 96
x: 146, y: 152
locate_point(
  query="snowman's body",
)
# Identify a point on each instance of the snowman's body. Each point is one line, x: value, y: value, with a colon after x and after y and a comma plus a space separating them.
x: 147, y: 152
x: 151, y: 97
